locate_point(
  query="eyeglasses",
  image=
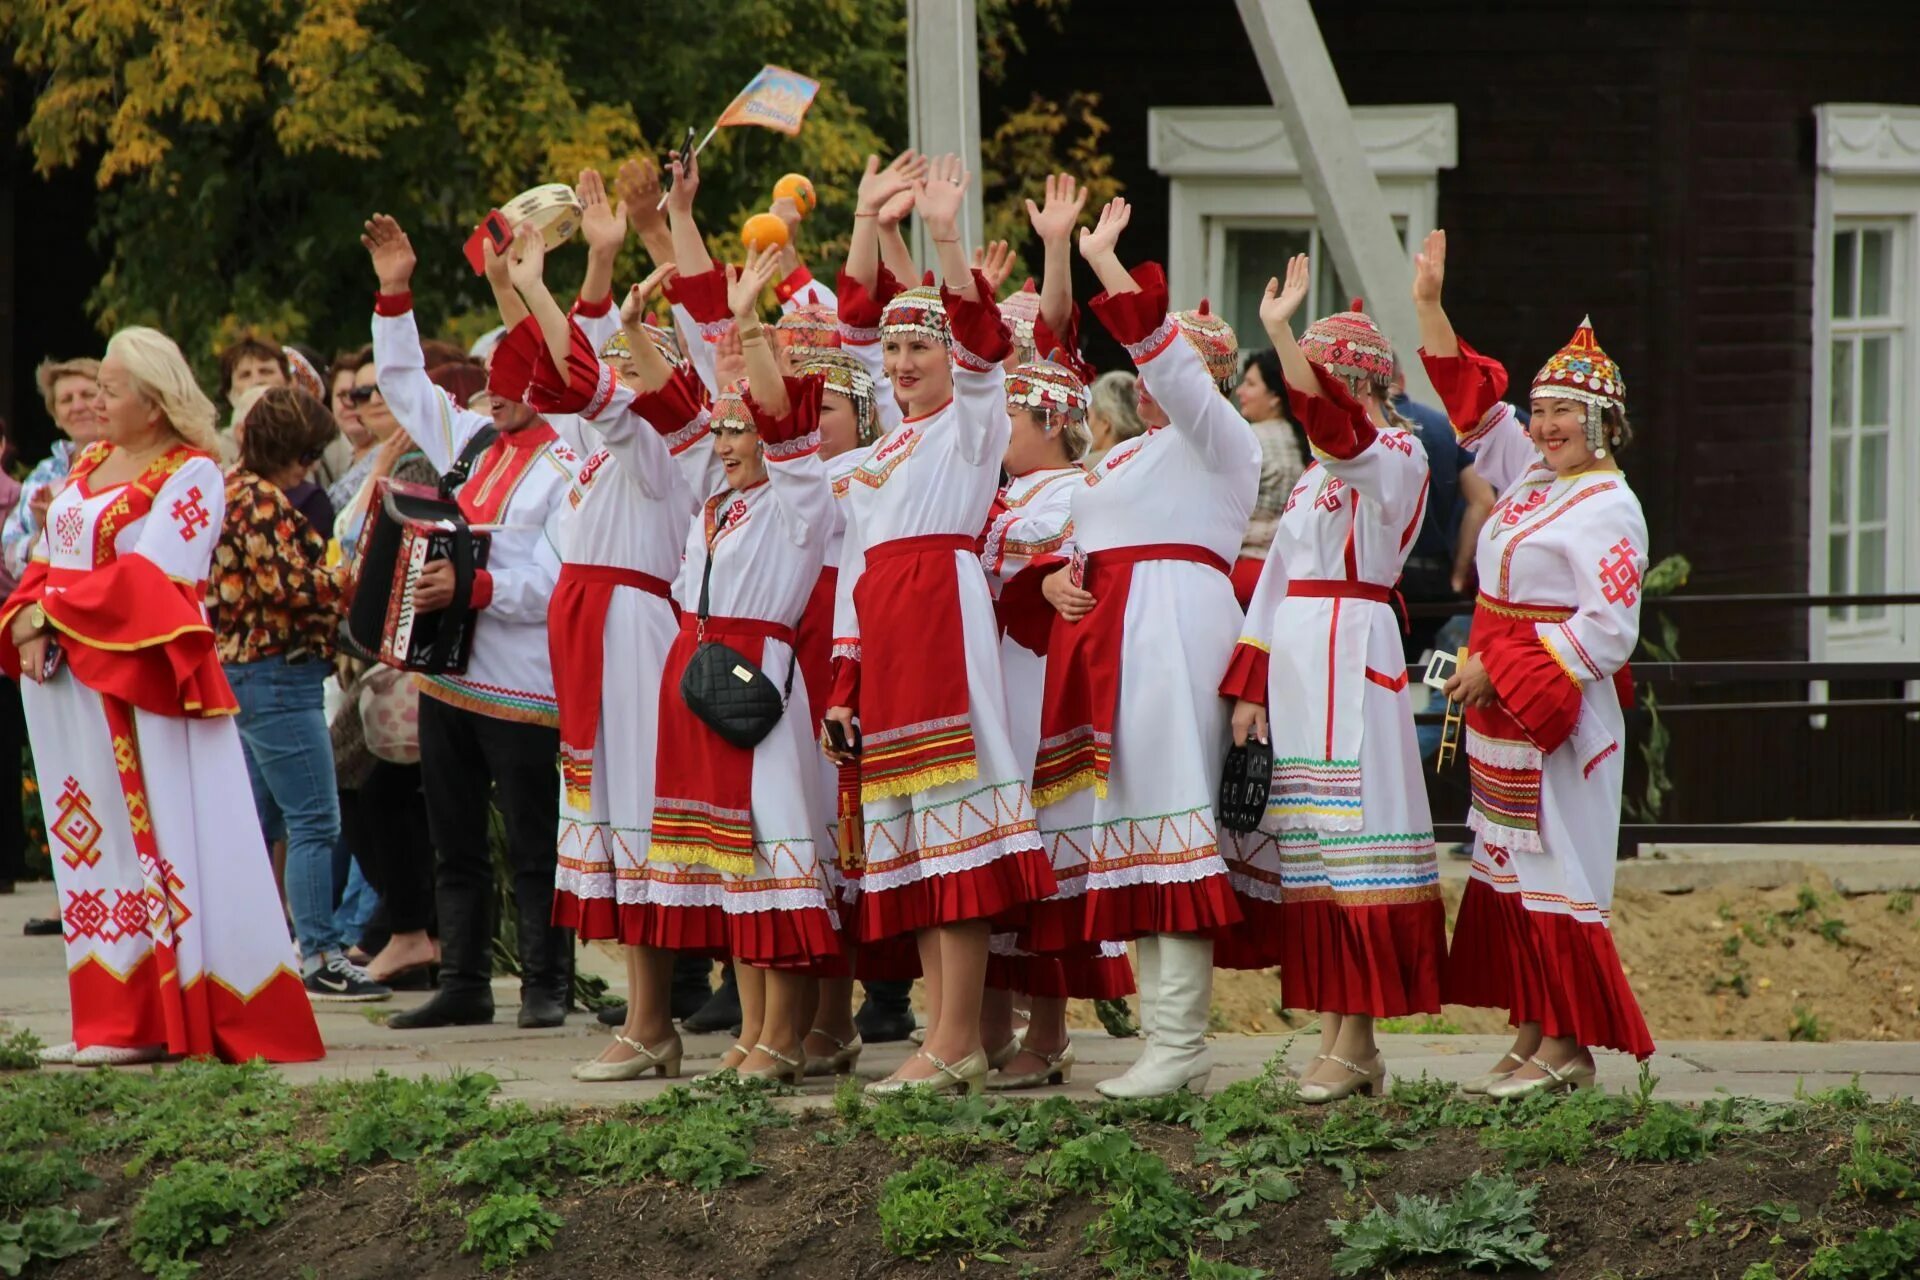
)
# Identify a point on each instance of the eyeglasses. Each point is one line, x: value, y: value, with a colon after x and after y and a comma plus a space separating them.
x: 359, y: 395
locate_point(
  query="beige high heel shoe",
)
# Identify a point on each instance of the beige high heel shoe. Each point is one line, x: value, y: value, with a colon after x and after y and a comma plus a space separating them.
x: 1059, y: 1070
x: 1481, y: 1083
x: 998, y: 1058
x: 665, y: 1060
x: 964, y: 1076
x: 785, y: 1070
x: 726, y: 1066
x: 841, y: 1061
x: 1362, y: 1080
x: 1564, y: 1078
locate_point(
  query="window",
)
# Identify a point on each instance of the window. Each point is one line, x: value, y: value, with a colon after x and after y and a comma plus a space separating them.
x: 1239, y: 208
x: 1867, y: 327
x: 1864, y: 522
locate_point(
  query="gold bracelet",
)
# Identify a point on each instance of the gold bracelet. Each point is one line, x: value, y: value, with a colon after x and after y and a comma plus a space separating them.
x: 757, y: 334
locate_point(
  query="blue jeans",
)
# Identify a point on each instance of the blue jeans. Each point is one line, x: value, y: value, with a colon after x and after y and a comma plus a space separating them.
x: 290, y: 764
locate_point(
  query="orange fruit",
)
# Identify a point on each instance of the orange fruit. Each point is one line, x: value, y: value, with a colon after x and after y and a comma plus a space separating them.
x: 798, y: 188
x: 763, y: 231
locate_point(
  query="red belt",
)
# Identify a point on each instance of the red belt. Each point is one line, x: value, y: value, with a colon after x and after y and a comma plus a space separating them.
x: 618, y: 577
x: 721, y: 628
x: 920, y: 545
x: 1339, y: 589
x: 1114, y: 557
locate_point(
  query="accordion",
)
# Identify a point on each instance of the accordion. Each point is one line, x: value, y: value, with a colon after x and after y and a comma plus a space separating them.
x: 409, y: 527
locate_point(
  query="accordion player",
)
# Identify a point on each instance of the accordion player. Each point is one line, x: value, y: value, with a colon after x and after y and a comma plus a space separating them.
x: 409, y: 527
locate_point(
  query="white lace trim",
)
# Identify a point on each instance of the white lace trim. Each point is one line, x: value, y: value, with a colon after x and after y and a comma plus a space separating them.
x: 1152, y: 344
x: 929, y: 866
x: 969, y: 361
x: 1200, y: 867
x: 788, y: 450
x: 1503, y: 754
x: 858, y: 336
x: 678, y: 441
x: 1513, y: 839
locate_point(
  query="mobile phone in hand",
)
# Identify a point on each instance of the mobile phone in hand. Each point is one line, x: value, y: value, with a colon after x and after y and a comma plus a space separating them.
x: 837, y: 738
x: 494, y: 229
x: 52, y: 660
x: 1077, y: 569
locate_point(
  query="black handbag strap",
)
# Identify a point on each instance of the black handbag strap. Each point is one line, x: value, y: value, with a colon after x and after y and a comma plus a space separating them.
x: 706, y: 584
x: 463, y: 465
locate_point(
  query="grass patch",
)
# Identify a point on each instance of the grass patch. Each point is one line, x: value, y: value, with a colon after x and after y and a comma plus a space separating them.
x: 936, y: 1207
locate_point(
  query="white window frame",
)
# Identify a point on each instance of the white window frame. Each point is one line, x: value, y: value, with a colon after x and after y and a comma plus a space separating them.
x: 1868, y: 159
x: 1234, y: 167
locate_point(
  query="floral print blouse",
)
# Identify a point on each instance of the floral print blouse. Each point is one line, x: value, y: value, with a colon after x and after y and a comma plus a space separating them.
x: 270, y: 591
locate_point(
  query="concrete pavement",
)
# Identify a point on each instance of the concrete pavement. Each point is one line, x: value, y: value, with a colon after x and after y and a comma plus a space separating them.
x: 534, y: 1065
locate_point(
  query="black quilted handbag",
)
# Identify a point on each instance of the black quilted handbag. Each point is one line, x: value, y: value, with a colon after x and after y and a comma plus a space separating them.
x: 1244, y: 786
x: 727, y: 690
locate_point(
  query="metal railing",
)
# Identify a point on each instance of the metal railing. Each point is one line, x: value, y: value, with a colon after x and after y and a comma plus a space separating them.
x: 1701, y: 674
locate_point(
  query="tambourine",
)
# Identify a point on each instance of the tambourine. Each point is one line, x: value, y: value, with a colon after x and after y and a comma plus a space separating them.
x: 552, y: 208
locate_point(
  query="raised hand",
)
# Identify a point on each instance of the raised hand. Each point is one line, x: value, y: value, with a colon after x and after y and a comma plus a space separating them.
x: 1056, y: 219
x: 638, y: 185
x: 392, y: 253
x: 1430, y: 269
x: 787, y: 209
x: 639, y: 299
x: 729, y: 359
x: 1103, y: 238
x: 879, y: 188
x: 686, y: 181
x: 1281, y: 300
x: 898, y: 206
x: 602, y: 224
x: 746, y: 284
x: 527, y: 258
x: 995, y: 262
x: 938, y: 196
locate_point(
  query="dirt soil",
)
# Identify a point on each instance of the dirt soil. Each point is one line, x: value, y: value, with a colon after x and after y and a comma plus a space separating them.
x: 811, y: 1216
x: 1859, y: 980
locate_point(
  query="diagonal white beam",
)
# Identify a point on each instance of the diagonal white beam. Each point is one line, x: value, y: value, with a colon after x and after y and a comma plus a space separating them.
x: 1353, y: 217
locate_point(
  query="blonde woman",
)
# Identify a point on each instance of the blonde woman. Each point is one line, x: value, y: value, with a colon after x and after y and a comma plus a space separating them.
x: 1114, y: 416
x: 176, y: 944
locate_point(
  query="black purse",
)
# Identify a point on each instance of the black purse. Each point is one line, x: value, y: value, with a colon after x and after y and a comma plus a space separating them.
x: 731, y: 695
x: 1244, y: 786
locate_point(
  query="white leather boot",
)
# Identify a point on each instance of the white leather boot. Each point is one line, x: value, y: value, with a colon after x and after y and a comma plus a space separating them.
x: 1146, y: 978
x: 1176, y: 1057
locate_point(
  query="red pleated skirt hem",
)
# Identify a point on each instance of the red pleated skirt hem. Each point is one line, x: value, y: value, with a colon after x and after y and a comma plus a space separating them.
x: 1255, y: 942
x: 762, y: 939
x: 895, y: 959
x: 1133, y: 911
x: 1383, y: 960
x: 1543, y: 967
x: 1002, y: 891
x: 591, y: 919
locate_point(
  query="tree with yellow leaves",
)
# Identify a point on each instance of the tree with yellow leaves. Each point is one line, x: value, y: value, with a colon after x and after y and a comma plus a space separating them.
x: 238, y: 144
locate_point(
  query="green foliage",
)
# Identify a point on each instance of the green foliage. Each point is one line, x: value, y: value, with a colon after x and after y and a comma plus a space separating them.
x: 1872, y: 1172
x: 1667, y: 1133
x: 1427, y: 1024
x: 1875, y: 1254
x: 1114, y: 1015
x: 1487, y: 1223
x: 521, y: 1158
x: 1704, y: 1221
x: 47, y: 1235
x: 1562, y: 1133
x: 20, y: 1051
x: 1662, y: 579
x: 1199, y: 1268
x: 39, y: 1176
x: 505, y: 1228
x: 700, y: 1139
x: 404, y: 1119
x: 196, y: 1203
x: 1900, y: 904
x: 238, y: 147
x: 937, y: 1206
x: 1760, y: 1271
x: 1806, y: 1025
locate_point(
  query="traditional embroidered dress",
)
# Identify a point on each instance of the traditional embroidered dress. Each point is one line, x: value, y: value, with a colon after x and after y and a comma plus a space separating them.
x: 735, y: 863
x: 1560, y: 561
x: 1029, y: 534
x: 174, y: 930
x: 1128, y: 769
x: 948, y: 815
x: 627, y: 514
x: 518, y: 489
x: 1339, y: 885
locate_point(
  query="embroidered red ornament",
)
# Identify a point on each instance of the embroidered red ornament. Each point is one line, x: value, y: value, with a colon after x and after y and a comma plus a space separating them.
x: 190, y: 515
x: 1620, y: 576
x: 1329, y: 499
x: 75, y: 827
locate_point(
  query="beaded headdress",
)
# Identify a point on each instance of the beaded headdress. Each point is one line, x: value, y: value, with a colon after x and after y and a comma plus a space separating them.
x: 843, y: 373
x: 1213, y: 338
x: 1582, y: 371
x: 730, y: 412
x: 1020, y: 310
x: 664, y: 342
x: 1049, y: 388
x: 810, y: 325
x: 917, y: 312
x: 1349, y: 344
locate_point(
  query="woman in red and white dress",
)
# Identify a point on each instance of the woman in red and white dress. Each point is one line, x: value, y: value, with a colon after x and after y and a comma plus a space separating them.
x: 176, y: 942
x: 1340, y: 885
x: 620, y: 537
x: 1545, y: 685
x: 949, y: 830
x: 1129, y: 768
